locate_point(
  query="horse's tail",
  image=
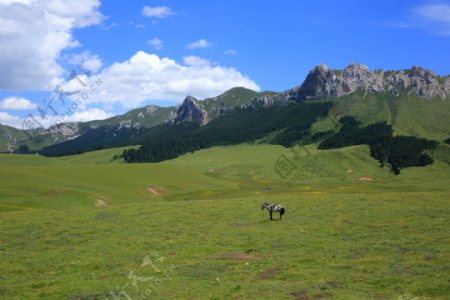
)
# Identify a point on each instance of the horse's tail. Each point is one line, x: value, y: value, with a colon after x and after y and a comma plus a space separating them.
x: 282, y: 211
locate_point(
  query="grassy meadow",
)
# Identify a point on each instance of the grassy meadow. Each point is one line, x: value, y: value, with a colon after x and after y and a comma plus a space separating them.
x: 87, y: 227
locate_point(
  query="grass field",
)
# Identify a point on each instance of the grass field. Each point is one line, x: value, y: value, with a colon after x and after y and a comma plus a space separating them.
x: 408, y: 115
x: 191, y: 228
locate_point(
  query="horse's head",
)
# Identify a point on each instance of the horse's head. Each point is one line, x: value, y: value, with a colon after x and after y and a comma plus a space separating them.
x: 264, y: 205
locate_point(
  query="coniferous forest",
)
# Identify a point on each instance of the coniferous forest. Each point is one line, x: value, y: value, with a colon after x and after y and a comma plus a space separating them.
x: 169, y: 141
x: 397, y: 151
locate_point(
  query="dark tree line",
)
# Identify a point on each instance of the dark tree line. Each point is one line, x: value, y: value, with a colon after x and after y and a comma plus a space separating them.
x: 289, y: 123
x: 23, y: 149
x: 397, y: 151
x: 92, y: 139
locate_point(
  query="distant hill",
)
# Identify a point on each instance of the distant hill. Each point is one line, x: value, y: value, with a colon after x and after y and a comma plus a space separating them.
x: 412, y: 102
x: 129, y: 128
x: 134, y: 121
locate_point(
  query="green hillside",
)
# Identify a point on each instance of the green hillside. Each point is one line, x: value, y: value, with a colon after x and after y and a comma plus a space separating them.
x: 408, y: 115
x: 58, y: 185
x: 10, y: 135
x: 220, y: 172
x: 145, y: 117
x: 233, y: 98
x: 82, y: 227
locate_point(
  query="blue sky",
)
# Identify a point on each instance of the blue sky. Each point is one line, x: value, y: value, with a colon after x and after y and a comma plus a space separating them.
x: 159, y: 51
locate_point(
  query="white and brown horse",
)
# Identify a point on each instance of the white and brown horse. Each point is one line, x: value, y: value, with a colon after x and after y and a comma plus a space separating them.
x: 273, y: 208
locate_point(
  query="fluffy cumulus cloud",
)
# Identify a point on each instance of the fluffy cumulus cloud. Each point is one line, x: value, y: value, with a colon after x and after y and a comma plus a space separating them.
x: 82, y: 115
x: 200, y: 44
x: 156, y: 43
x: 87, y: 60
x: 10, y: 120
x: 193, y: 60
x: 149, y: 77
x: 32, y: 35
x: 89, y: 115
x: 157, y: 11
x: 16, y: 103
x: 78, y: 116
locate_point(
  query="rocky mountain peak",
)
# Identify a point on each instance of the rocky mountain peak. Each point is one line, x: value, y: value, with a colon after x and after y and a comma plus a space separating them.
x: 426, y: 75
x: 418, y: 71
x: 322, y: 82
x: 189, y: 111
x: 151, y: 108
x: 358, y: 76
x: 355, y: 71
x: 320, y: 68
x: 190, y: 99
x: 63, y: 131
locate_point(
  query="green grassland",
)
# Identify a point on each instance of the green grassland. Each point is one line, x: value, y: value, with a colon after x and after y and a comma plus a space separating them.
x: 352, y: 230
x: 408, y: 115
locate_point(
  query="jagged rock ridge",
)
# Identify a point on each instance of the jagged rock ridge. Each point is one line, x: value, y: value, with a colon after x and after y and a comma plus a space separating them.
x: 189, y: 111
x: 323, y: 82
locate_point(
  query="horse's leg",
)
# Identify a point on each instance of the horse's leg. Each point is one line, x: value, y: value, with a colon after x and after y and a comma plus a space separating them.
x: 270, y: 215
x: 280, y: 216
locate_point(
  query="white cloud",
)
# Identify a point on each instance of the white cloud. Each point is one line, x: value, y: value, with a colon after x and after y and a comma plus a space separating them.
x: 156, y: 43
x: 435, y: 17
x: 149, y: 77
x: 230, y: 52
x: 10, y: 120
x: 157, y: 11
x: 9, y: 2
x: 32, y: 36
x: 193, y: 60
x: 89, y: 115
x: 87, y: 60
x: 435, y: 12
x: 16, y: 103
x: 140, y: 26
x: 84, y: 115
x: 106, y: 27
x: 202, y: 43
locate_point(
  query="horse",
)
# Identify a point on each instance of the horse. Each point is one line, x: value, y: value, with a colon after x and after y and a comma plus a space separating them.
x: 273, y: 208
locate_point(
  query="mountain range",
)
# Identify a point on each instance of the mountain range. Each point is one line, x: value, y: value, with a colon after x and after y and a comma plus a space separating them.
x: 414, y: 102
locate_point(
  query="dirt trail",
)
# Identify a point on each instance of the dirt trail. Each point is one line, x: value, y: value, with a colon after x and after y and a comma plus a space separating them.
x: 156, y: 191
x: 364, y: 179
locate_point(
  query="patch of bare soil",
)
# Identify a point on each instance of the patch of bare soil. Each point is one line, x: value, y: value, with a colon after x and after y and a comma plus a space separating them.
x: 268, y: 274
x: 301, y: 295
x: 364, y: 179
x: 157, y: 191
x: 101, y: 203
x: 349, y: 171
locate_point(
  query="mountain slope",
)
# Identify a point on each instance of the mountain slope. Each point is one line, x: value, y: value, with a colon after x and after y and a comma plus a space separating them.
x: 408, y: 115
x: 284, y: 124
x: 323, y: 82
x: 136, y: 120
x: 415, y: 102
x: 377, y: 98
x: 9, y: 138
